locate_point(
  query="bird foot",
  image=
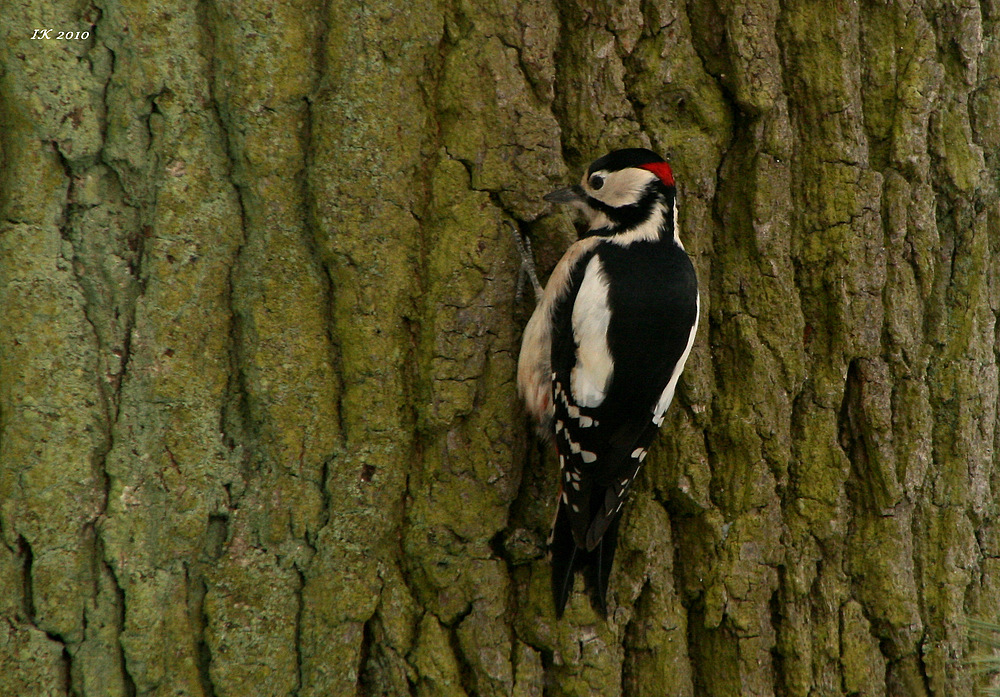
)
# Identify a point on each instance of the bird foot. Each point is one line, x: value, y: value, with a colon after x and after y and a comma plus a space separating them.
x: 527, y: 268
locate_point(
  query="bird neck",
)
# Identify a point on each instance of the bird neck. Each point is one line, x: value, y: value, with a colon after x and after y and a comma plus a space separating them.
x: 659, y: 224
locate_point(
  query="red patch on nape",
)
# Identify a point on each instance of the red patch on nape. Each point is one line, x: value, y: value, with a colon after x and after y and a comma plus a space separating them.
x: 662, y: 170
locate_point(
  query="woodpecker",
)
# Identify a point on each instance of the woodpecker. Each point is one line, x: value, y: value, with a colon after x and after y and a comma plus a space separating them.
x: 602, y: 353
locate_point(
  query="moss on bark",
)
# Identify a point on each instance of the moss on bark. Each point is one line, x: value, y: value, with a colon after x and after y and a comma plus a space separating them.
x: 259, y: 431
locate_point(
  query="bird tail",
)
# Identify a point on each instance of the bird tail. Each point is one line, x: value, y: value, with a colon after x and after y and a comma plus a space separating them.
x: 568, y: 558
x: 564, y: 552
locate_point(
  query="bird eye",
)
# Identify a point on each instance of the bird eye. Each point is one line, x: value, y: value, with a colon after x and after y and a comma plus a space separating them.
x: 596, y: 182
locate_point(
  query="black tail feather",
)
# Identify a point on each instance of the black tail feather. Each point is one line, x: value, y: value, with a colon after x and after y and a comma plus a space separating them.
x: 564, y: 550
x: 599, y: 563
x: 567, y: 559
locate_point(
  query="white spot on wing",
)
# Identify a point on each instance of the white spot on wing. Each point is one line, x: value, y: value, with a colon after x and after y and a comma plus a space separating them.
x: 588, y: 456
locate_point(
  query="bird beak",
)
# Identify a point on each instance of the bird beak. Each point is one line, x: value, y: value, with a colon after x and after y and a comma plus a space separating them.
x: 572, y: 194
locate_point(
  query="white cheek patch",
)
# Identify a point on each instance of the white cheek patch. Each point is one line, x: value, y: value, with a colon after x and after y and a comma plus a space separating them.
x: 648, y: 231
x: 591, y: 315
x: 621, y: 188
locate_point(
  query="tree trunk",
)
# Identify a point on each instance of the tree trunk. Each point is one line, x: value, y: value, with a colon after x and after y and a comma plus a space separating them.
x: 259, y: 433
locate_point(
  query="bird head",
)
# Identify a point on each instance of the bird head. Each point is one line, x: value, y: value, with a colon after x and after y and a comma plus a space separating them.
x: 621, y: 191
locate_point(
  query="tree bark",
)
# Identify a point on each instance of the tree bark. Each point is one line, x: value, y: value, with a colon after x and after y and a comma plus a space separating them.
x: 259, y: 433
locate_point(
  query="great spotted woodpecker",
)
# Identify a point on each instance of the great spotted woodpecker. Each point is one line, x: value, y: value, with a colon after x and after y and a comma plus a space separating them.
x: 603, y: 351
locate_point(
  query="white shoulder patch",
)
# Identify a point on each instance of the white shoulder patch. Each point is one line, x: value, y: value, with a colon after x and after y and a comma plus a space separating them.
x: 591, y: 315
x: 534, y: 370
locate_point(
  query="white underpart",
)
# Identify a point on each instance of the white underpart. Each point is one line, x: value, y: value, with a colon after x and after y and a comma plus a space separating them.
x: 591, y: 314
x: 534, y: 369
x: 667, y: 395
x: 597, y: 219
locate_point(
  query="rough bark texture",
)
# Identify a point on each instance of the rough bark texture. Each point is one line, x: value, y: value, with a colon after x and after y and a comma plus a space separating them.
x: 258, y: 426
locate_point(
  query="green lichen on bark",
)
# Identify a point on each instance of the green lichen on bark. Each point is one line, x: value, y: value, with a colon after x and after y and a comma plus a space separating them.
x: 259, y: 432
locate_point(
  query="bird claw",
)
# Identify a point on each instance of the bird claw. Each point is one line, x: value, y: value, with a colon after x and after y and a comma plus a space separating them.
x: 527, y: 268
